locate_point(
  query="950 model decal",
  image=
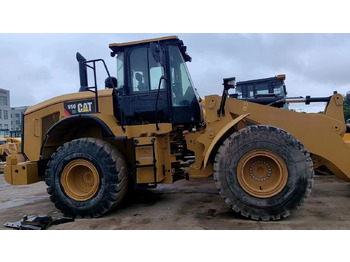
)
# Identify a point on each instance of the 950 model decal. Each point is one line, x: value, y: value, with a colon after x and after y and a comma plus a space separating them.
x: 79, y: 107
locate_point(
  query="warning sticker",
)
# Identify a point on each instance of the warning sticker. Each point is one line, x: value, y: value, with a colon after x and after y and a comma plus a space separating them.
x: 79, y: 107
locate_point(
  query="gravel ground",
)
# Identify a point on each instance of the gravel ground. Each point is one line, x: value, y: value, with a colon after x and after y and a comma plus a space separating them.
x: 184, y: 205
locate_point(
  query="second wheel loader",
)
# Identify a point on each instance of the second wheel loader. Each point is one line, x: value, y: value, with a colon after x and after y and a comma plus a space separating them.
x: 149, y: 126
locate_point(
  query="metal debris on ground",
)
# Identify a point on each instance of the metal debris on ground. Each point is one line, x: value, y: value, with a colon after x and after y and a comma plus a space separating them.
x: 37, y: 222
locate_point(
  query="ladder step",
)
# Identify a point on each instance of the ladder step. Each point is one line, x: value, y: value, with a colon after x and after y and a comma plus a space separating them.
x: 143, y: 145
x: 150, y: 165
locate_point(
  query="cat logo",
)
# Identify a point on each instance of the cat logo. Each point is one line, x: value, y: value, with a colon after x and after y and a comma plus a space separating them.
x: 84, y: 107
x: 79, y: 107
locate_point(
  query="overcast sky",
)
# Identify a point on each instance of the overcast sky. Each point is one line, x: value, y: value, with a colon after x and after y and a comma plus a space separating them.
x: 36, y: 67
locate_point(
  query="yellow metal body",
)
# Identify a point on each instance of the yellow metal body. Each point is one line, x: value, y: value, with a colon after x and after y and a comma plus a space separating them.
x: 20, y: 173
x: 39, y: 119
x: 144, y: 157
x: 347, y: 137
x: 311, y: 129
x: 323, y: 135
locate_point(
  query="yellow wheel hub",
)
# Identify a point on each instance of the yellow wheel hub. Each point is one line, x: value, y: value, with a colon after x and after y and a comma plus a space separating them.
x: 262, y: 173
x: 80, y: 180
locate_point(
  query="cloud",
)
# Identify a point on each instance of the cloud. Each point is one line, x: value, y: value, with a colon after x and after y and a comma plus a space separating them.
x: 35, y: 67
x: 315, y: 64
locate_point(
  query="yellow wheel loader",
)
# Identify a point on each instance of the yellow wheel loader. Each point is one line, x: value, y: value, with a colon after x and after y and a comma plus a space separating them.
x: 9, y: 146
x: 149, y: 126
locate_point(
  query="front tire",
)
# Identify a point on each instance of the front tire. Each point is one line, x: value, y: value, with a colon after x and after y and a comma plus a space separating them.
x: 87, y: 177
x: 263, y: 172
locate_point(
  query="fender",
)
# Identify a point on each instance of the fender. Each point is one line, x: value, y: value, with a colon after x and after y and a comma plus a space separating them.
x: 218, y: 136
x: 72, y: 118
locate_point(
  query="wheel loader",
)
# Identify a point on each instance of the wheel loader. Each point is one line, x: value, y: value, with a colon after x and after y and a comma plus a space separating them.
x: 9, y: 146
x: 149, y: 126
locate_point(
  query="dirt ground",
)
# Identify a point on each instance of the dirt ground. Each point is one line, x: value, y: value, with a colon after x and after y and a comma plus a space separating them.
x: 185, y: 205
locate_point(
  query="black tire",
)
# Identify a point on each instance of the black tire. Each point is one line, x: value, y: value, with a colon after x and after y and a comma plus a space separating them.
x: 280, y: 157
x: 87, y: 177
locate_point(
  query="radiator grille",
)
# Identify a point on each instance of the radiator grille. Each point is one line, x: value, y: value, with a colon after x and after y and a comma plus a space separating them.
x: 48, y: 121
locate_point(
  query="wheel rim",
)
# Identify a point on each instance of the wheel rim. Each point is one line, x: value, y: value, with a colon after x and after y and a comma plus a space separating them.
x: 80, y: 180
x: 262, y: 173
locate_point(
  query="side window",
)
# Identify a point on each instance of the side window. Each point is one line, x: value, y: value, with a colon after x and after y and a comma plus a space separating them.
x: 120, y: 70
x: 239, y: 92
x: 249, y: 91
x: 145, y: 71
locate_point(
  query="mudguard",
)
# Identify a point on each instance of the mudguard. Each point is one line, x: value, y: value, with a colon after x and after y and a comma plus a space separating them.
x: 218, y: 136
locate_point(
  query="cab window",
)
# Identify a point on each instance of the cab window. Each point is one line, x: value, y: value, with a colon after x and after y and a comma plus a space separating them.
x: 120, y: 70
x: 145, y: 72
x: 182, y: 88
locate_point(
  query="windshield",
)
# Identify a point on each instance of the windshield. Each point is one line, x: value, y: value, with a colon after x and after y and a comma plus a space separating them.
x: 279, y: 90
x: 183, y: 92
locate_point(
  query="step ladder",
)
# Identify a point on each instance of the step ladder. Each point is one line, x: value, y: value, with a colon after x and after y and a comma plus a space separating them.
x: 144, y: 161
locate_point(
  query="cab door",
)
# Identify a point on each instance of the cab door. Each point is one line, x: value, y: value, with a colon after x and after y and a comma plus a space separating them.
x: 140, y: 97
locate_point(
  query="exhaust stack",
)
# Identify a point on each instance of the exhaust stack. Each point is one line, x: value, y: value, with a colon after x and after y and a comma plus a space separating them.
x: 82, y: 73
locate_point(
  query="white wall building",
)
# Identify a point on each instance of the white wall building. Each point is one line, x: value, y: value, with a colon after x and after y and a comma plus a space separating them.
x: 10, y: 117
x: 16, y: 117
x: 5, y: 109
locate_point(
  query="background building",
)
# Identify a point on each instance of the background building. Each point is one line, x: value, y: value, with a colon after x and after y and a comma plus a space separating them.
x: 10, y: 118
x: 5, y: 110
x: 16, y: 117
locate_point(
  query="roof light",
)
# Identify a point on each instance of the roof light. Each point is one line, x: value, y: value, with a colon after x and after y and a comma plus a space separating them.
x: 282, y: 77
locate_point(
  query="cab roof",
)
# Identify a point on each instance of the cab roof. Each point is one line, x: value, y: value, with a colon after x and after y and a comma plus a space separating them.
x: 119, y: 47
x: 122, y: 45
x: 263, y: 80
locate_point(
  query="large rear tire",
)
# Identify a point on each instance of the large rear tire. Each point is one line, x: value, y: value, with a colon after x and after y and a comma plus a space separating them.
x: 263, y: 172
x: 87, y: 178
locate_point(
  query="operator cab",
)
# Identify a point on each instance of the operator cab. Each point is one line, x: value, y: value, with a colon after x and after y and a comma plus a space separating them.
x: 266, y: 91
x: 154, y: 85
